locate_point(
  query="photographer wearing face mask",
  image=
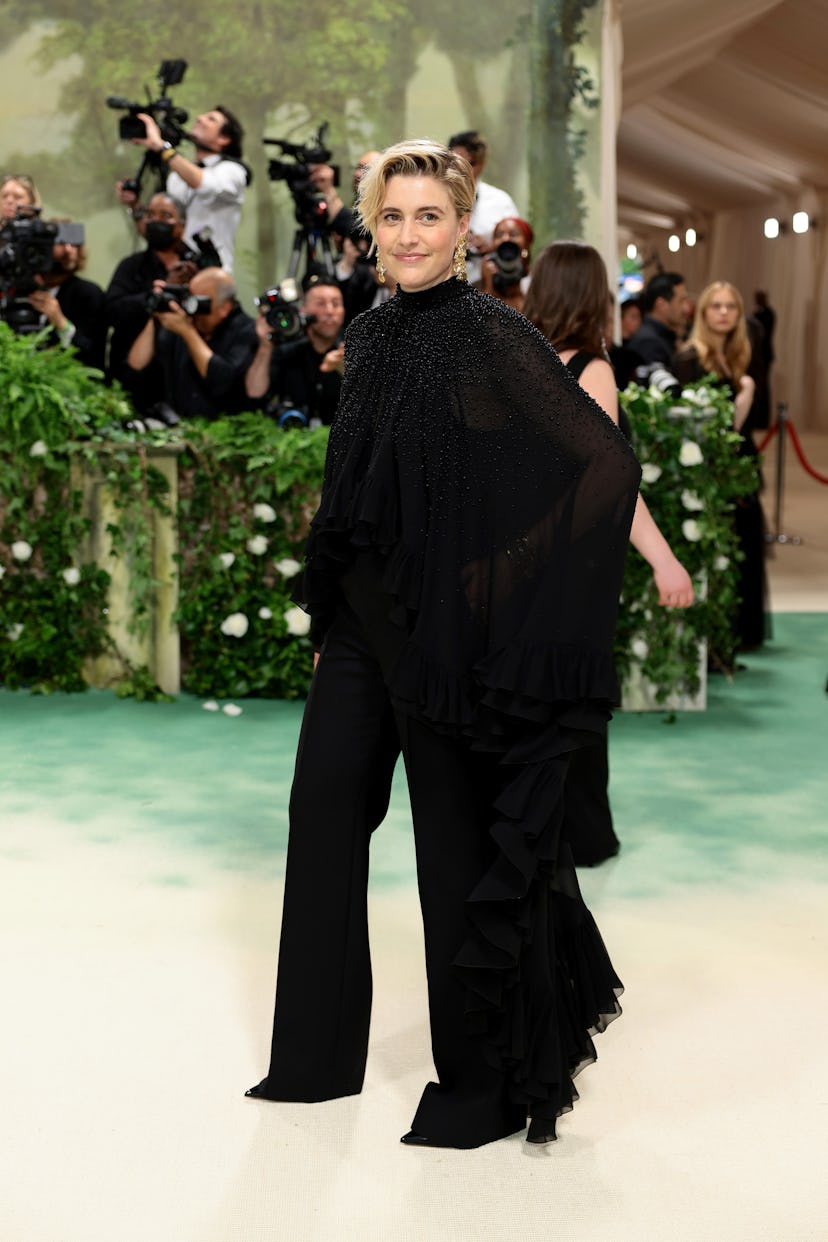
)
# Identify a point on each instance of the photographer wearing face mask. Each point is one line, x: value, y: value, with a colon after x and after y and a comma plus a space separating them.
x: 73, y: 306
x: 166, y: 258
x: 203, y: 349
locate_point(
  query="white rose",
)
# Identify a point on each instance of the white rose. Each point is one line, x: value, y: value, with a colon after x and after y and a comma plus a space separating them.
x: 257, y: 544
x: 235, y: 626
x: 690, y: 454
x: 38, y: 449
x: 265, y: 614
x: 227, y: 559
x: 20, y: 550
x: 721, y: 562
x: 297, y: 621
x: 639, y: 648
x: 265, y: 513
x: 650, y: 472
x: 231, y: 709
x: 288, y: 567
x: 691, y: 530
x: 210, y: 706
x: 14, y: 631
x: 71, y: 576
x: 648, y: 616
x: 691, y: 500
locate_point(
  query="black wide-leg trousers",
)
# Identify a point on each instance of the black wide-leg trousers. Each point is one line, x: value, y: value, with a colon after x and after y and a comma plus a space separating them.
x: 348, y: 746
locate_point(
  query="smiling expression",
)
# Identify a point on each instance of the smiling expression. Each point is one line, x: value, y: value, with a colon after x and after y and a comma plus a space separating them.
x: 417, y: 231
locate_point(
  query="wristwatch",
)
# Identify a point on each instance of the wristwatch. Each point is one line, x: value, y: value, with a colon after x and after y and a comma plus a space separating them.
x: 168, y: 151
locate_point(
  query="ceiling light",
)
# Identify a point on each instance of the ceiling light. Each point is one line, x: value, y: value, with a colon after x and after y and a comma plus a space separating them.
x: 800, y: 222
x: 673, y: 243
x: 771, y: 227
x: 632, y: 251
x: 690, y: 237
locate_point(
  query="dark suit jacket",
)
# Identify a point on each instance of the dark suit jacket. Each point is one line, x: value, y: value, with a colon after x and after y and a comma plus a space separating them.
x: 82, y: 302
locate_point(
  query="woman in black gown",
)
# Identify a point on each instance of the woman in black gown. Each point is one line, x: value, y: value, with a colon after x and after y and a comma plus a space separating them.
x: 568, y: 301
x: 718, y: 347
x: 462, y: 576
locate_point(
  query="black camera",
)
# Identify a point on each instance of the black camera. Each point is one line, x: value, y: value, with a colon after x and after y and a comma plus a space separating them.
x: 311, y: 210
x: 190, y: 303
x: 280, y: 307
x: 163, y: 111
x: 655, y: 375
x: 25, y: 252
x: 508, y: 261
x: 25, y: 249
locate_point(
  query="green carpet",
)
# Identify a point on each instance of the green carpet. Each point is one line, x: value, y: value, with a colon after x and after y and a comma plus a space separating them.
x: 735, y: 795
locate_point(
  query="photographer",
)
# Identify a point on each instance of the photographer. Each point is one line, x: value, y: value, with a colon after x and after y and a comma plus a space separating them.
x: 73, y: 306
x: 506, y: 268
x: 211, y: 187
x: 203, y: 355
x: 166, y: 258
x: 306, y: 373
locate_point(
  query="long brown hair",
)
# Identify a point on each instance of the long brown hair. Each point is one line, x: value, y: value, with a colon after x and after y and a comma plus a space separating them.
x: 737, y: 345
x: 568, y: 296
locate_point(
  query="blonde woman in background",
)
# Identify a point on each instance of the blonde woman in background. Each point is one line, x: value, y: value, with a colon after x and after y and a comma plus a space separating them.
x: 718, y: 348
x: 16, y: 191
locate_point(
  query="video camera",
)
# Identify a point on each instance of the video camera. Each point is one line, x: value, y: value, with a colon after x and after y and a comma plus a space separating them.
x: 25, y: 249
x: 168, y: 118
x: 280, y: 306
x: 190, y: 303
x: 310, y: 205
x: 25, y: 252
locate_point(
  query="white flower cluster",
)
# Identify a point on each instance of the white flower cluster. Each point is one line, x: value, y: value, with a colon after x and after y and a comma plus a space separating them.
x: 650, y: 472
x: 237, y: 624
x: 264, y: 513
x: 691, y: 530
x: 21, y: 550
x: 691, y: 501
x: 690, y: 454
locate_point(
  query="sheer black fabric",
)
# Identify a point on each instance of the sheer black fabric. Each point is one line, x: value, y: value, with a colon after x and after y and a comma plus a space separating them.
x: 500, y: 498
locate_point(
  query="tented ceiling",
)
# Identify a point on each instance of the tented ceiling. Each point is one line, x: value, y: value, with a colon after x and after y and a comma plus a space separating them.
x: 724, y: 122
x: 725, y: 104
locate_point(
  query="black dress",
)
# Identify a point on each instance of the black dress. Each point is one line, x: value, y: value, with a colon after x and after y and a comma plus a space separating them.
x: 465, y: 565
x: 751, y: 622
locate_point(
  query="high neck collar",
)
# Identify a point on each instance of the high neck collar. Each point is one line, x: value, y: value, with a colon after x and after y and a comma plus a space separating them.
x: 436, y: 295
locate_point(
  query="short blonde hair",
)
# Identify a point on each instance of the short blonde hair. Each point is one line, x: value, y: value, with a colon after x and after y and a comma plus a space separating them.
x: 418, y: 157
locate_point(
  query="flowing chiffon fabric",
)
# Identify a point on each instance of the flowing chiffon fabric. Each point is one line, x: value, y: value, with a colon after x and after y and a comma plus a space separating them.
x: 499, y: 499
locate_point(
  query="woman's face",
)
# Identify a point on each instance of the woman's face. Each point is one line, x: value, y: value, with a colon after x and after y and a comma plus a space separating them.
x: 12, y: 196
x: 417, y: 231
x: 509, y: 230
x: 721, y: 314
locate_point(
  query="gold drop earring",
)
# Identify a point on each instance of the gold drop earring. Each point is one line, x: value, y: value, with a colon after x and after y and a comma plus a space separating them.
x: 459, y: 264
x: 380, y: 269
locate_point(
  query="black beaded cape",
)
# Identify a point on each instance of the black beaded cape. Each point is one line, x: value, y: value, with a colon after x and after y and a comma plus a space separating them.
x: 500, y: 497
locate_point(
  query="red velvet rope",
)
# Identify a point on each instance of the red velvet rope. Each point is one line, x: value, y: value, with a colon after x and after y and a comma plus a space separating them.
x: 803, y: 461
